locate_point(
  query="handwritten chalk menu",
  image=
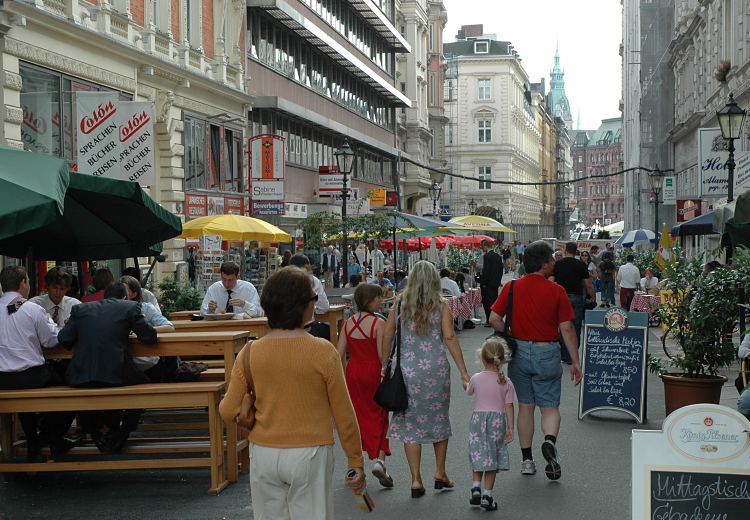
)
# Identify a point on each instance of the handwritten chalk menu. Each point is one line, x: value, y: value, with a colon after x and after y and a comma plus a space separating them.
x: 682, y: 494
x: 696, y: 467
x: 614, y: 368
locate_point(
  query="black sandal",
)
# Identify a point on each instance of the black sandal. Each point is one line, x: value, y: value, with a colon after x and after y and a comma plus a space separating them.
x: 443, y: 484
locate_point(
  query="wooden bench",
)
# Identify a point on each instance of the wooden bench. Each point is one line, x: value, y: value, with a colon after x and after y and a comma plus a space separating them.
x: 194, y: 345
x: 161, y: 396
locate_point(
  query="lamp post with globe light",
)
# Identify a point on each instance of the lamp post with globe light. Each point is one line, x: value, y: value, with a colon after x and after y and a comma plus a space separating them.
x: 344, y: 160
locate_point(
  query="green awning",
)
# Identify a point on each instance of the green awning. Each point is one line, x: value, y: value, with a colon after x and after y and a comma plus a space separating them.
x: 29, y: 200
x: 101, y: 219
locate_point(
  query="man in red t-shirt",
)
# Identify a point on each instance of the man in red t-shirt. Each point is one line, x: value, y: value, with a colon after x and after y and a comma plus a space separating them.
x: 540, y: 308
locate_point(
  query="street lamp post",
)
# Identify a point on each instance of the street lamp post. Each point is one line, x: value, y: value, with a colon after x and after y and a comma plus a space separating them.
x: 344, y: 160
x: 472, y: 206
x: 434, y: 192
x: 500, y: 219
x: 655, y: 178
x: 730, y: 119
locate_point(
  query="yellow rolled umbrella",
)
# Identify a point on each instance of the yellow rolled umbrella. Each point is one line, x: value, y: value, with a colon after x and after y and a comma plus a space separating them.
x: 478, y: 223
x: 234, y: 227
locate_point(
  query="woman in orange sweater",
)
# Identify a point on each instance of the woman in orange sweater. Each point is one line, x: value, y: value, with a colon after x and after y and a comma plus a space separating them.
x: 295, y: 384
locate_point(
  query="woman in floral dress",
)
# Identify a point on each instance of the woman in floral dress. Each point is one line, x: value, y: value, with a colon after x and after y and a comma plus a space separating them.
x: 426, y: 331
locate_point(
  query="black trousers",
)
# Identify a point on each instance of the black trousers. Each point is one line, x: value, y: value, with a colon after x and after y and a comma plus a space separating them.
x: 38, y: 428
x: 114, y: 420
x: 489, y: 295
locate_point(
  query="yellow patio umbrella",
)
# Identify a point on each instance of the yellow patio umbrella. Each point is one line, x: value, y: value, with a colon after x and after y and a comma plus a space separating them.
x: 478, y: 223
x: 234, y: 227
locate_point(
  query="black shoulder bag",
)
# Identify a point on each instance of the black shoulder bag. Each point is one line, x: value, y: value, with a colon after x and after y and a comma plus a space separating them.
x: 506, y: 333
x: 391, y: 393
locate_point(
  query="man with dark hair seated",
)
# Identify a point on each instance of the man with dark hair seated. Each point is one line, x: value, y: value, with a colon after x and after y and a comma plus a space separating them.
x: 26, y: 329
x: 231, y: 294
x: 100, y: 332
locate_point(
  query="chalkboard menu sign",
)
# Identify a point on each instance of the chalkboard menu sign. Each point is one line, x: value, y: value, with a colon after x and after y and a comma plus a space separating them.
x: 689, y: 494
x: 614, y: 363
x: 694, y: 468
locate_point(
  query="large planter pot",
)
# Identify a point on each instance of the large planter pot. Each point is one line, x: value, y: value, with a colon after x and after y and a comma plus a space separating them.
x: 681, y: 390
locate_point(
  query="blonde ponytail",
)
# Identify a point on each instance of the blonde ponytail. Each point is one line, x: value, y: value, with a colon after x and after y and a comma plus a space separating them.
x: 493, y: 351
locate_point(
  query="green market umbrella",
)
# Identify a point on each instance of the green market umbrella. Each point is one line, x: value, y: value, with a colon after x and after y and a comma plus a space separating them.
x: 32, y: 190
x: 101, y: 219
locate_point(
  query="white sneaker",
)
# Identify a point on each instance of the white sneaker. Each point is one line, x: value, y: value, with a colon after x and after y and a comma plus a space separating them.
x: 378, y: 470
x: 528, y: 467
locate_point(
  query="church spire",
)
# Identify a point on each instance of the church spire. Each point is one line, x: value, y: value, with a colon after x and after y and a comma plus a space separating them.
x: 560, y: 105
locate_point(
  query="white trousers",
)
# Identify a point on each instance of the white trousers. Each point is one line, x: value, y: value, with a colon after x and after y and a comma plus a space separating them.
x: 292, y: 483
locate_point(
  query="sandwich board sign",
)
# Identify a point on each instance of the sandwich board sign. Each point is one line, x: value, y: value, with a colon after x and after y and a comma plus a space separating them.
x: 696, y: 467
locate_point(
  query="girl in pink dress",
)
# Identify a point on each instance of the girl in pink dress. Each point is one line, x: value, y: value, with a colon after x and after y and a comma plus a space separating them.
x: 491, y: 424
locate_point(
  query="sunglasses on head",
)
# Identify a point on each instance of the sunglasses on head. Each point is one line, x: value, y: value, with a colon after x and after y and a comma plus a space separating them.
x: 314, y: 298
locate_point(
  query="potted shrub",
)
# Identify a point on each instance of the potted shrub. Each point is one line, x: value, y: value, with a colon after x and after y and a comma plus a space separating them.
x: 700, y: 315
x: 178, y: 296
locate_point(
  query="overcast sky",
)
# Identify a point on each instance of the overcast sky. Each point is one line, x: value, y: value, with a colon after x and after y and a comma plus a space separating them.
x: 589, y: 33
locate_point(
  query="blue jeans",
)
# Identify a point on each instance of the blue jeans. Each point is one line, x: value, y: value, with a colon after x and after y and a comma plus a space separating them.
x: 536, y: 373
x: 608, y: 291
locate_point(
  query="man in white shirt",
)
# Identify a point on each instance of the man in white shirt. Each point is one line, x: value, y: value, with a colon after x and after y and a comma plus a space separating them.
x: 629, y: 278
x: 57, y: 305
x: 26, y: 329
x: 232, y: 295
x: 447, y: 285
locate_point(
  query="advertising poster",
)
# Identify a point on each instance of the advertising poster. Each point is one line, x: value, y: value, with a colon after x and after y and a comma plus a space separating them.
x: 688, y: 209
x: 97, y: 133
x: 135, y: 121
x: 195, y: 206
x: 712, y: 161
x: 38, y: 132
x: 266, y: 157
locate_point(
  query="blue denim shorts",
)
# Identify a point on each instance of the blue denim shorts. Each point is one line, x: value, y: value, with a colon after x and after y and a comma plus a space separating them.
x: 536, y: 373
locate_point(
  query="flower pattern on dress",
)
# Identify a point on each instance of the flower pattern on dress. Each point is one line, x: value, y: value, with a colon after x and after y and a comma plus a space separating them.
x: 487, y: 449
x: 426, y: 372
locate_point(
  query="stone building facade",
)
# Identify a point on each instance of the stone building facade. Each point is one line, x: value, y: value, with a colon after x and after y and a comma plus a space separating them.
x: 184, y: 55
x: 493, y: 133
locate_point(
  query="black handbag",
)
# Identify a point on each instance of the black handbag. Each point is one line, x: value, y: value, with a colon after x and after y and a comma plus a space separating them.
x: 506, y: 333
x: 391, y: 393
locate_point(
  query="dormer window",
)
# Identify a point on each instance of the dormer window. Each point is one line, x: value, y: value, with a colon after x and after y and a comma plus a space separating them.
x: 481, y: 47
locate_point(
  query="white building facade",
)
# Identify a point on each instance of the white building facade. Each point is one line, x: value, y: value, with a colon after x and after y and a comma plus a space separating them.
x: 492, y: 134
x: 419, y: 77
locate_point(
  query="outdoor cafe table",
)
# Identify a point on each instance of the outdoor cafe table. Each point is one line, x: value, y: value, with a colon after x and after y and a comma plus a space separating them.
x: 644, y: 302
x: 257, y: 327
x: 463, y: 306
x: 226, y: 344
x: 334, y: 318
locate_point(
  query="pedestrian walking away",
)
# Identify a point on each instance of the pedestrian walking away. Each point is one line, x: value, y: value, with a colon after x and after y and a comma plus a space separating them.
x: 491, y: 278
x: 573, y: 275
x: 491, y: 423
x: 286, y: 388
x: 363, y: 340
x: 426, y: 329
x: 541, y: 310
x: 629, y: 278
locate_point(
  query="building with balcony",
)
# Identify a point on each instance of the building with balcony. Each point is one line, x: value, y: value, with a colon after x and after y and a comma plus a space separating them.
x: 596, y: 157
x: 419, y: 75
x: 493, y: 132
x: 185, y: 56
x: 322, y: 71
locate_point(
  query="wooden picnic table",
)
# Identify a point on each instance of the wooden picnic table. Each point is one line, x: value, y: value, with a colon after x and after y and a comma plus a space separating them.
x: 256, y: 327
x: 180, y: 319
x: 218, y: 343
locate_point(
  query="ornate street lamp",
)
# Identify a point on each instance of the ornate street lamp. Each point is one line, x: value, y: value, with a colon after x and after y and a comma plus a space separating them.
x: 345, y: 161
x: 731, y: 118
x: 472, y: 206
x: 656, y: 178
x: 434, y: 192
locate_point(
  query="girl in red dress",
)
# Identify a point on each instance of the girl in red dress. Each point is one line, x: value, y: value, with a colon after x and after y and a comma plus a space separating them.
x: 363, y: 339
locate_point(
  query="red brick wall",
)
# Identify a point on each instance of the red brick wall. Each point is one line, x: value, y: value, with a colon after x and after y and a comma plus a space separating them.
x: 137, y: 11
x: 175, y: 26
x: 208, y: 28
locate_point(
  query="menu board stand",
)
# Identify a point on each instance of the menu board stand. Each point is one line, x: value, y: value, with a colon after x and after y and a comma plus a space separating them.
x: 615, y: 348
